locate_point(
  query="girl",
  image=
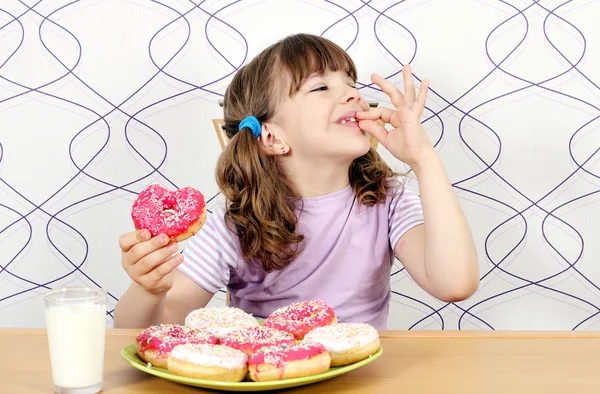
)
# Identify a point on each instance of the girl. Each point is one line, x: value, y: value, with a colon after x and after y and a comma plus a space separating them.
x: 312, y: 211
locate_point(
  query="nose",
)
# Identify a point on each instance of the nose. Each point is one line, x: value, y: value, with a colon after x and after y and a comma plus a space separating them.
x: 350, y: 94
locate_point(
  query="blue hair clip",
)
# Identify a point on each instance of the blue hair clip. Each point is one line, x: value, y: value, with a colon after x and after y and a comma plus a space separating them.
x: 253, y: 124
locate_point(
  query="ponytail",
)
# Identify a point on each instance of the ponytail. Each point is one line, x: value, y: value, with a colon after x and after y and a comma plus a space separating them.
x: 260, y: 210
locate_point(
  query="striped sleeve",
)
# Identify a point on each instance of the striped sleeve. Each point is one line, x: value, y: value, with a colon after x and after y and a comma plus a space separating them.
x: 405, y: 213
x: 210, y: 254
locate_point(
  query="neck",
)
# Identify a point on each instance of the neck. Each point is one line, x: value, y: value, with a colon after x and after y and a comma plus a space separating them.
x: 316, y: 179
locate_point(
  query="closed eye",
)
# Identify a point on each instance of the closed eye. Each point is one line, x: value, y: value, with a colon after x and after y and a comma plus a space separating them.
x: 321, y: 88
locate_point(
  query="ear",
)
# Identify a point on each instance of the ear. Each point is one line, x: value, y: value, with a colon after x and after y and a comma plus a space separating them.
x: 272, y: 140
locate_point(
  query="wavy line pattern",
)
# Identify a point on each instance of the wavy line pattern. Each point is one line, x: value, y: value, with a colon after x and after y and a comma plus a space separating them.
x: 100, y: 99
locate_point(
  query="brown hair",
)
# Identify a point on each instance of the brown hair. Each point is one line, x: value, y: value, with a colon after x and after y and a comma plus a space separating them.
x: 261, y: 200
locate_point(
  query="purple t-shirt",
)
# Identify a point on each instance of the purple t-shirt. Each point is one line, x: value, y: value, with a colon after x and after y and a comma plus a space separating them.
x: 346, y: 259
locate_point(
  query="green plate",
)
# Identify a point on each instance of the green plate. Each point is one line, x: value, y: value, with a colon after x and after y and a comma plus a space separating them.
x: 132, y: 358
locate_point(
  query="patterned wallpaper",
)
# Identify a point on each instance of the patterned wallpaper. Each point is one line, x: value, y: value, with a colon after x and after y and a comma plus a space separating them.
x: 100, y: 98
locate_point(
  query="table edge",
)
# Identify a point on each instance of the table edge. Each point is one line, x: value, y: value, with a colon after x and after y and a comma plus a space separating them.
x: 401, y: 334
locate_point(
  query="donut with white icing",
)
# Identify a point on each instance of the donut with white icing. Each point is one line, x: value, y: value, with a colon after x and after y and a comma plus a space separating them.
x: 346, y: 343
x: 301, y: 317
x: 154, y: 344
x: 220, y: 321
x: 208, y: 362
x: 288, y: 362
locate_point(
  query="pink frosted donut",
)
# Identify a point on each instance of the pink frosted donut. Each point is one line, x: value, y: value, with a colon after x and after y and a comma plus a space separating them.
x: 288, y: 362
x: 154, y: 344
x: 301, y: 317
x: 252, y: 339
x: 179, y: 214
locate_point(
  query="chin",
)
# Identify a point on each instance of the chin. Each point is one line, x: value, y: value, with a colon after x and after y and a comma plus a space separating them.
x: 362, y: 146
x: 355, y: 150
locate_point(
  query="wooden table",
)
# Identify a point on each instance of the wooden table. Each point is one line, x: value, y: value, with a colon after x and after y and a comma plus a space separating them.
x: 412, y: 362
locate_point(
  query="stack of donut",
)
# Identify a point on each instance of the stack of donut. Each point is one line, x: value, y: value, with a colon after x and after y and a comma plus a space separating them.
x: 229, y: 345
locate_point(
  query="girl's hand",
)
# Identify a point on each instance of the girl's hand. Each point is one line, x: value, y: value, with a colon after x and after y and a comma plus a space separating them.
x: 408, y: 141
x: 149, y: 261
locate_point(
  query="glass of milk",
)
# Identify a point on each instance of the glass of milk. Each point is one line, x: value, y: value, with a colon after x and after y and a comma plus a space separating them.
x: 76, y: 325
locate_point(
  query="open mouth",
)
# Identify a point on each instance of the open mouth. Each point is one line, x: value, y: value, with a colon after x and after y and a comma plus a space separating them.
x: 348, y: 120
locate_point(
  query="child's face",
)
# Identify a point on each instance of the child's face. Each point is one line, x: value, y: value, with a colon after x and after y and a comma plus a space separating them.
x: 319, y: 122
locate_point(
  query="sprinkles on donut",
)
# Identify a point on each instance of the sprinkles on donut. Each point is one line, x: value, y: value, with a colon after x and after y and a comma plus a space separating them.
x: 178, y: 214
x: 228, y: 344
x: 251, y: 340
x: 288, y: 362
x: 301, y: 317
x: 220, y: 321
x: 208, y: 362
x: 155, y: 343
x: 346, y: 343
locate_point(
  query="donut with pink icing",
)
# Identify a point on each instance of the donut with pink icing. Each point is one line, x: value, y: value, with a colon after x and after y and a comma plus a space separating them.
x: 288, y: 362
x: 252, y: 339
x: 179, y: 214
x: 155, y: 343
x: 302, y: 317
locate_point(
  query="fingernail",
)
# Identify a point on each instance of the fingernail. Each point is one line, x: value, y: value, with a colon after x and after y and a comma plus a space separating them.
x: 173, y: 247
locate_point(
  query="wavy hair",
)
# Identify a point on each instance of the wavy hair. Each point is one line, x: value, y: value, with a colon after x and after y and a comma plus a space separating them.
x: 261, y: 200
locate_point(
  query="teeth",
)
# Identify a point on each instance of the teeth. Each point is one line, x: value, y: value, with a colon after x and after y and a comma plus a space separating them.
x: 348, y: 120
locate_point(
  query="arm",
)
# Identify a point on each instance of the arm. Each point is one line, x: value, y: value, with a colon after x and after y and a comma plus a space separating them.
x: 159, y: 293
x: 139, y: 309
x: 440, y: 255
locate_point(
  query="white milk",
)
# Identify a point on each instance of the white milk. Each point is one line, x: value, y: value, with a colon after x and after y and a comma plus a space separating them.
x: 76, y: 342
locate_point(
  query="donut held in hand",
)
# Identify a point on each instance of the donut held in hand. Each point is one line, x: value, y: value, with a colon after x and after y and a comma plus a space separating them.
x: 178, y: 214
